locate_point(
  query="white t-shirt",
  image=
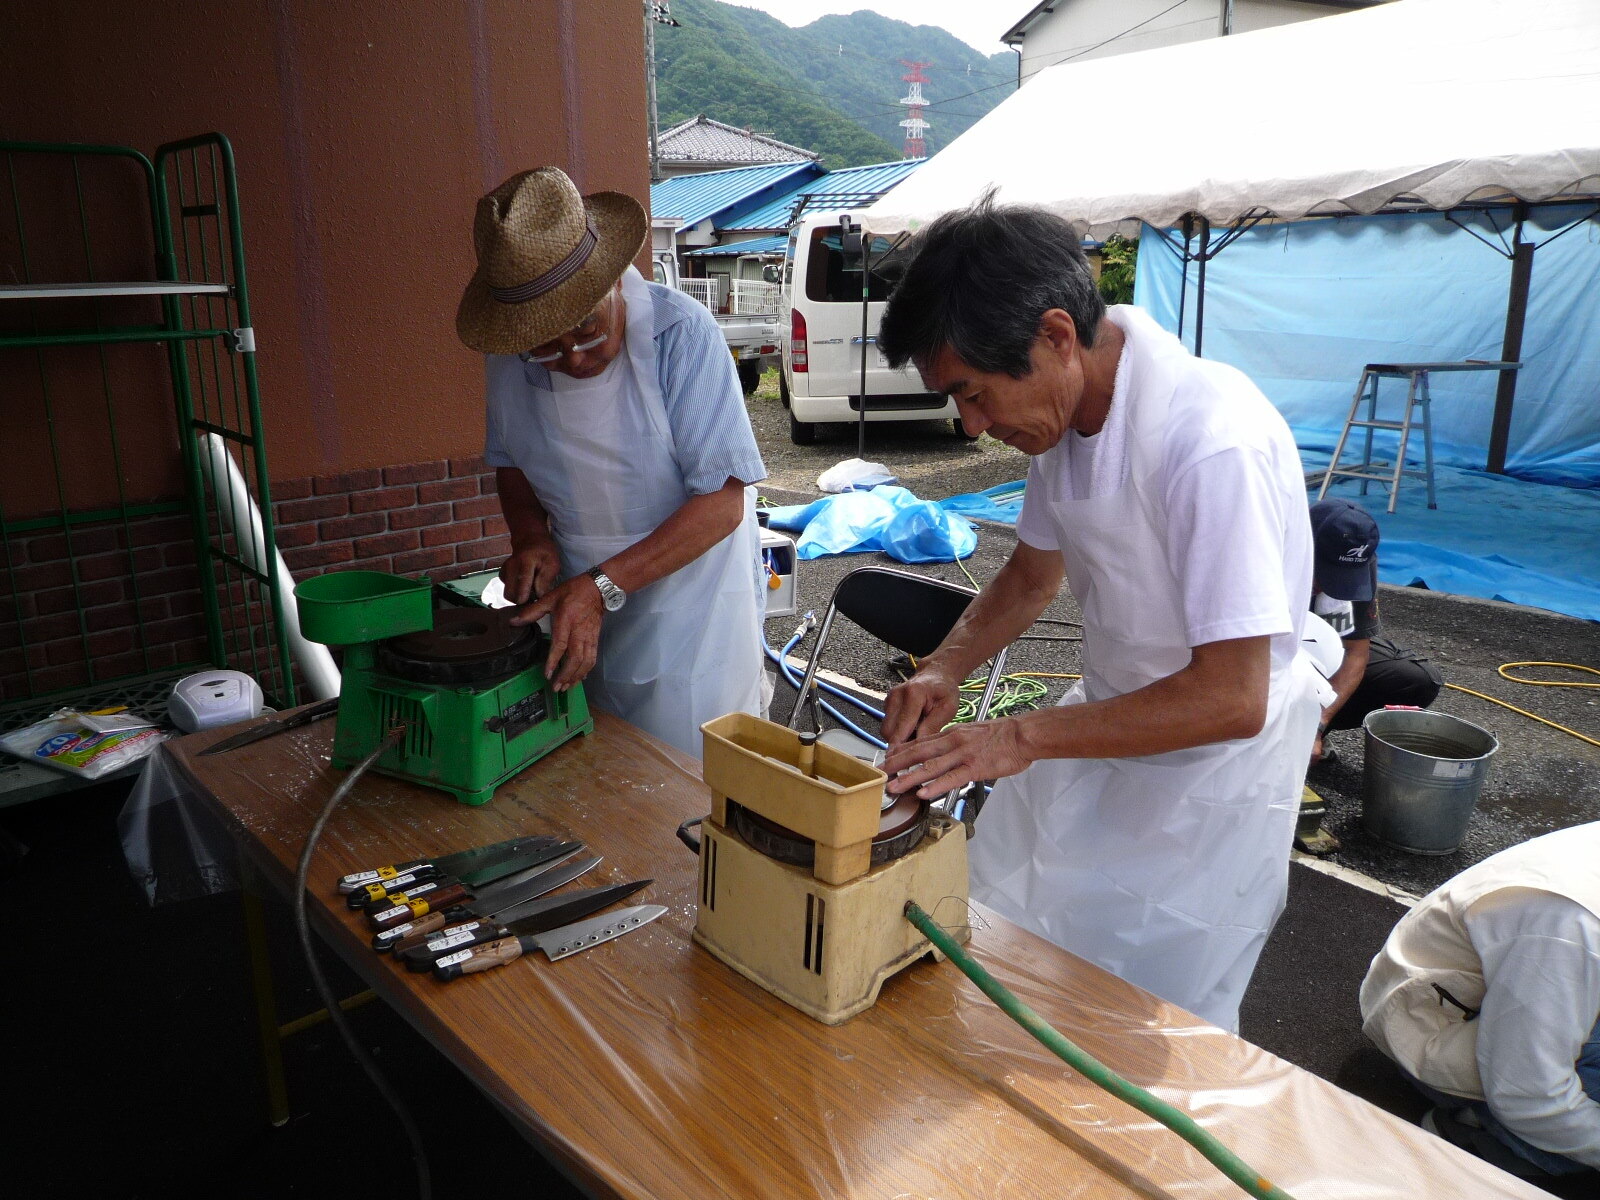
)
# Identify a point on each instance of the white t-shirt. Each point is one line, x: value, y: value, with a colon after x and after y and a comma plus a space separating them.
x: 1239, y: 531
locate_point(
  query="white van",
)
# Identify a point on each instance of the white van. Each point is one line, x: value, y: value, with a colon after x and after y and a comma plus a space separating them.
x: 821, y: 376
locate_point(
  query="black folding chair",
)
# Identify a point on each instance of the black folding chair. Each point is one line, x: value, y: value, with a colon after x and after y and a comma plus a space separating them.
x: 912, y: 613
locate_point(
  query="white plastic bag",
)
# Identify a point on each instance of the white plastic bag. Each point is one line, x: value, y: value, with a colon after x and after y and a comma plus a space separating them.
x: 854, y: 473
x: 85, y: 745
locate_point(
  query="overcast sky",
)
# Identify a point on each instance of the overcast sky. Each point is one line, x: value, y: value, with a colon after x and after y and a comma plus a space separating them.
x: 976, y: 23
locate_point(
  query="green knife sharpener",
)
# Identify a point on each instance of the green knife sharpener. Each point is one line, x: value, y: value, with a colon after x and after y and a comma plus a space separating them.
x: 472, y: 720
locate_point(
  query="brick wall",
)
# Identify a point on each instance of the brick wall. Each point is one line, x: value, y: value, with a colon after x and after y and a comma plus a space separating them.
x: 39, y: 608
x: 441, y: 518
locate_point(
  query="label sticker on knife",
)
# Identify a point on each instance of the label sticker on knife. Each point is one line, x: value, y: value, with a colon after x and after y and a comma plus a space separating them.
x: 395, y: 934
x: 455, y: 939
x: 450, y: 960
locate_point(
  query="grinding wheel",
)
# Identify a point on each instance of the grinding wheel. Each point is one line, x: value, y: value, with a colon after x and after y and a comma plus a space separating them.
x: 900, y: 827
x: 465, y: 646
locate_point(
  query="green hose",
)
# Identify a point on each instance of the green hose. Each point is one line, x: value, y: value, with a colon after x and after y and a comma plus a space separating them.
x: 1226, y: 1161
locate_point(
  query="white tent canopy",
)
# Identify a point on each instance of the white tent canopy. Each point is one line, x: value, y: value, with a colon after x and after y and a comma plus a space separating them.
x: 1428, y: 103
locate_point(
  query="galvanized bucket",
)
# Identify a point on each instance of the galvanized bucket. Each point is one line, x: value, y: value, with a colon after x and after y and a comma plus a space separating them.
x: 1422, y: 776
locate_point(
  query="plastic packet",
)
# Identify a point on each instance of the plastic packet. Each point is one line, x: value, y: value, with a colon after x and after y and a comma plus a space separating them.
x: 86, y: 745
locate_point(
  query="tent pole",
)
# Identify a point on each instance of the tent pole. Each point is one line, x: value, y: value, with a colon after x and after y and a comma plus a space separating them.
x: 1511, y: 350
x: 1200, y: 287
x: 1183, y: 280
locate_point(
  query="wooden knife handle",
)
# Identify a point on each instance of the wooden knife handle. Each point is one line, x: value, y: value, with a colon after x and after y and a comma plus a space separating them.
x: 478, y: 958
x: 428, y: 897
x: 387, y: 940
x: 398, y: 895
x: 434, y: 925
x: 422, y: 956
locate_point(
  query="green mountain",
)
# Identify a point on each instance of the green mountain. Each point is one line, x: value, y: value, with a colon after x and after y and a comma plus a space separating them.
x: 831, y: 86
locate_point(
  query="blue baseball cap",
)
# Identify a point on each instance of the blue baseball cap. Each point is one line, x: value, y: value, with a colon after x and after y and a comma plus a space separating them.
x: 1345, y: 539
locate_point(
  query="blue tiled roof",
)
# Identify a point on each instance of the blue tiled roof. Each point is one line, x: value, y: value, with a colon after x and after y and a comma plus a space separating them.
x: 776, y: 243
x: 693, y: 198
x: 852, y: 181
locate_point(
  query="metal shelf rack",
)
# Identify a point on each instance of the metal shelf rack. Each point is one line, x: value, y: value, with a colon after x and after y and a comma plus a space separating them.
x: 86, y: 532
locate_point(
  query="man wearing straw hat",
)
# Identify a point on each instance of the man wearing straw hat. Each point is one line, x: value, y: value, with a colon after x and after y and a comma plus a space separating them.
x: 623, y: 456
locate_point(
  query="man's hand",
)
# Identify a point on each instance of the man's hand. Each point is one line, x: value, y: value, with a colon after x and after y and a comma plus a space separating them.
x: 934, y: 765
x: 530, y: 571
x: 576, y: 611
x: 921, y: 706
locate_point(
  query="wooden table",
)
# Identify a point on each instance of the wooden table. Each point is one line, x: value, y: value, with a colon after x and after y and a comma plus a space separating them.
x: 649, y: 1069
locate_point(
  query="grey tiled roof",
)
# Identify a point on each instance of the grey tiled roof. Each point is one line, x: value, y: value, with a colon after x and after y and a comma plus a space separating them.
x: 704, y: 140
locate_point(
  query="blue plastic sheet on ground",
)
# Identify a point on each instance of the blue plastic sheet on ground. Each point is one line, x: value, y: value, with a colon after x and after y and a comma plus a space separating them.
x: 887, y: 519
x: 1000, y: 503
x: 1492, y: 536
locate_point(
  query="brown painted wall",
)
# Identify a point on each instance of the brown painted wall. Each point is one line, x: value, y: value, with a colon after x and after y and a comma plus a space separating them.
x: 364, y: 133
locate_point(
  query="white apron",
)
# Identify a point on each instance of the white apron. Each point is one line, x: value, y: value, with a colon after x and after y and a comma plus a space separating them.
x: 599, y: 455
x: 1167, y: 870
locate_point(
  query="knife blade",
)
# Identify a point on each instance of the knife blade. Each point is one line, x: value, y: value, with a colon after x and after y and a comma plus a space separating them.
x: 536, y: 916
x: 530, y: 853
x: 557, y: 943
x: 323, y: 708
x: 436, y: 895
x: 529, y: 885
x: 458, y: 863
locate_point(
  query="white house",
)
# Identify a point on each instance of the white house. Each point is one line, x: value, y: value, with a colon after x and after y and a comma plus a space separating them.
x: 1055, y: 31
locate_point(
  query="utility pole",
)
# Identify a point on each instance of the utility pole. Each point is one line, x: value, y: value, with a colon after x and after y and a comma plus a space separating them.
x: 656, y: 12
x: 914, y: 125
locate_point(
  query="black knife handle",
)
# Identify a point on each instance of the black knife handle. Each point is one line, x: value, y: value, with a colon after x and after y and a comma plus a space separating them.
x: 478, y: 958
x: 452, y: 938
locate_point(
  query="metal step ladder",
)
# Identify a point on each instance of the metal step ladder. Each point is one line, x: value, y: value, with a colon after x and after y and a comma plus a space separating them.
x: 1367, y: 469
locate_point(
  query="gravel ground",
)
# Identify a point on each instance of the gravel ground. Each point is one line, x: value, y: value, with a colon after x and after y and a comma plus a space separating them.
x: 1540, y: 780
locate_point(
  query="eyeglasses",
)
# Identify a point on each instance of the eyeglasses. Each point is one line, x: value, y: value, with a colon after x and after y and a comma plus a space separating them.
x: 592, y: 328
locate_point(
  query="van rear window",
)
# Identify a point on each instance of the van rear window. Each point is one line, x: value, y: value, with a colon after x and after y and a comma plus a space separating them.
x: 830, y: 281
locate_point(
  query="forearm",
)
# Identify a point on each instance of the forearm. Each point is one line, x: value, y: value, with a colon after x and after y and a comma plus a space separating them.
x: 697, y: 525
x: 1345, y: 681
x: 526, y: 520
x: 1003, y: 611
x: 1221, y: 695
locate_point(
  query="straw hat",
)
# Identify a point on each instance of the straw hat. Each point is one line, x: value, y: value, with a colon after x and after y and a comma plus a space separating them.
x: 546, y: 258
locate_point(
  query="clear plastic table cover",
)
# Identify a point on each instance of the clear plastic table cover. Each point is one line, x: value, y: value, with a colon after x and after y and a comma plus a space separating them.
x: 648, y: 1068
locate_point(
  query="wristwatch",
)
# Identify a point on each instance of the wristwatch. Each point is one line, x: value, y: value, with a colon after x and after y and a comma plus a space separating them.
x: 611, y: 595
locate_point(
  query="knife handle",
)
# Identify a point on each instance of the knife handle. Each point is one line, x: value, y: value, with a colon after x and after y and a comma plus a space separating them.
x: 371, y: 893
x: 430, y: 897
x: 423, y: 955
x: 426, y: 928
x: 386, y: 941
x: 352, y: 882
x: 414, y: 891
x: 478, y: 958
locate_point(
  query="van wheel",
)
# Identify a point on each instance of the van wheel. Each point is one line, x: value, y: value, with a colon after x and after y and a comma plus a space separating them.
x: 783, y: 387
x: 961, y: 431
x: 749, y: 376
x: 801, y: 433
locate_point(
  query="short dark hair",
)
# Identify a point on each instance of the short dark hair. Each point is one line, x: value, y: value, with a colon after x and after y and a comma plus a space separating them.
x: 979, y: 279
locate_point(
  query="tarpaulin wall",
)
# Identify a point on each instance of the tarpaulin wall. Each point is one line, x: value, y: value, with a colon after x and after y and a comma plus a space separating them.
x: 1301, y: 307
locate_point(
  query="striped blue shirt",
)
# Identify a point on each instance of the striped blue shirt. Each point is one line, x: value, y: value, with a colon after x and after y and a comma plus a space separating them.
x: 711, y: 436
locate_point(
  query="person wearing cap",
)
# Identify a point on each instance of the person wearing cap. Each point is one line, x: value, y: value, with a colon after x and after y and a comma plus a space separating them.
x: 1344, y: 592
x: 1487, y: 996
x: 1145, y: 822
x: 624, y: 458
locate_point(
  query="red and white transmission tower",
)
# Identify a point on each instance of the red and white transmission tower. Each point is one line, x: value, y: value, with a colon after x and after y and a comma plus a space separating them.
x: 914, y: 125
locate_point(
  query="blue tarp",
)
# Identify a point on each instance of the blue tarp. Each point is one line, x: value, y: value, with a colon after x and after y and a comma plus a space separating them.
x: 1301, y: 307
x: 886, y: 518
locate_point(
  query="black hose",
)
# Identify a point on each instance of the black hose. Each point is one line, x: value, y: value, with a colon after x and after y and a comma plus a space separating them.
x: 419, y: 1157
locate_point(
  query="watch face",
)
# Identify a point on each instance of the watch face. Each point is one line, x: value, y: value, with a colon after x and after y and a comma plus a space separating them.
x: 613, y: 597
